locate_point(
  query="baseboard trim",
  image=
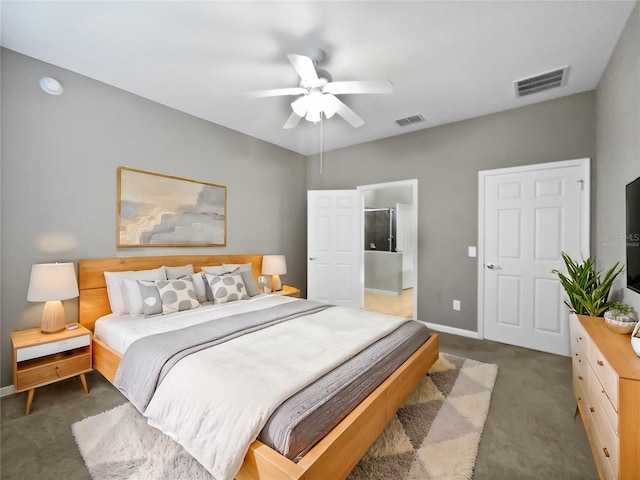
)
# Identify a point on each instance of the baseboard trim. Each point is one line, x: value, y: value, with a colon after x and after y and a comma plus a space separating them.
x: 382, y: 292
x: 9, y: 390
x: 454, y: 331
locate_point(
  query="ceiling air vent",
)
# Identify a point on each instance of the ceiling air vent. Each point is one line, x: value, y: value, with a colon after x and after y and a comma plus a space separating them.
x: 403, y: 122
x: 542, y: 81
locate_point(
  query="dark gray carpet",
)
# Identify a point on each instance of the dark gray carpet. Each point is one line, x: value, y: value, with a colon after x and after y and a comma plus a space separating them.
x: 530, y: 432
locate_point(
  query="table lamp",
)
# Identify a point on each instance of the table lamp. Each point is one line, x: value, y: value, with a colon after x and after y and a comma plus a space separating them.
x: 274, y: 265
x: 52, y: 283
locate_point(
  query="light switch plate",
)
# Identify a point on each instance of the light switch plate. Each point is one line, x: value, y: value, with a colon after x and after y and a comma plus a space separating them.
x: 472, y: 251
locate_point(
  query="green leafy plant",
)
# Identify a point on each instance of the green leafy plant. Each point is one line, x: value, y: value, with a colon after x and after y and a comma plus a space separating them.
x: 588, y: 292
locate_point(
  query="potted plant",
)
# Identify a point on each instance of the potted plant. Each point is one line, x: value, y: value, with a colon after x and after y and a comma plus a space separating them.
x: 620, y: 318
x: 587, y: 290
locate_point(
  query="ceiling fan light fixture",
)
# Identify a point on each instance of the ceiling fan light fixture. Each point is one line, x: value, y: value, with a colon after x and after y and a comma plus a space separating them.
x: 330, y: 105
x: 300, y: 106
x: 314, y: 115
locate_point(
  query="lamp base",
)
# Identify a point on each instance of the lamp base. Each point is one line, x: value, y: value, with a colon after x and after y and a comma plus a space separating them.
x: 276, y: 284
x: 53, y: 320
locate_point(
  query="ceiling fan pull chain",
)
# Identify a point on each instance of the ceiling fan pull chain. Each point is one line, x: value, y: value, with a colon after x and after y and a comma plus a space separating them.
x: 321, y: 142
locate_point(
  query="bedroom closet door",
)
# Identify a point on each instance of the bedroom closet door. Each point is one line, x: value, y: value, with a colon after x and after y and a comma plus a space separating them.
x: 528, y: 217
x: 334, y: 247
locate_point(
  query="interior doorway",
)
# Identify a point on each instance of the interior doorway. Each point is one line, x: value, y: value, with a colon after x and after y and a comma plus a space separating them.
x: 389, y: 250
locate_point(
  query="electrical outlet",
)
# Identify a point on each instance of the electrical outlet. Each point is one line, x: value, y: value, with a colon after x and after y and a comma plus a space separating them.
x: 456, y: 305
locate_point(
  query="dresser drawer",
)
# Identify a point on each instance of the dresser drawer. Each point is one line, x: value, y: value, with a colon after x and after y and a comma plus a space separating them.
x: 600, y: 410
x: 44, y: 349
x: 605, y: 373
x: 600, y: 455
x: 597, y: 394
x: 65, y: 366
x: 580, y: 378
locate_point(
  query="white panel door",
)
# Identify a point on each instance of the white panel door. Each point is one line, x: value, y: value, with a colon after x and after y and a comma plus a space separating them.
x: 334, y: 247
x: 405, y: 233
x: 530, y: 218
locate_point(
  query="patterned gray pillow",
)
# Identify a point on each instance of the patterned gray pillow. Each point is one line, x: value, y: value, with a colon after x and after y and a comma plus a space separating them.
x: 227, y: 288
x: 177, y: 295
x: 151, y: 302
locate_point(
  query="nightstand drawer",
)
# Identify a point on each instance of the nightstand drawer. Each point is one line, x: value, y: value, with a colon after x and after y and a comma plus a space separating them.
x: 37, y: 351
x: 34, y: 374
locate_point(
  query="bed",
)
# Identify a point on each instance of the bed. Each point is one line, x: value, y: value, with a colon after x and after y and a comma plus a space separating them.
x: 339, y: 450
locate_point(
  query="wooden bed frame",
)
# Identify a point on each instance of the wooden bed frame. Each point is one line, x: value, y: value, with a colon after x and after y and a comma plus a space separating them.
x: 339, y: 451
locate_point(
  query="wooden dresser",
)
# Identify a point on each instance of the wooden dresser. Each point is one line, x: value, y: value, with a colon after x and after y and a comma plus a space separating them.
x: 606, y: 383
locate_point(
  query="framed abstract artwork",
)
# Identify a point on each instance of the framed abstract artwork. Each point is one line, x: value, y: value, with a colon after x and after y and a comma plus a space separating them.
x: 156, y: 210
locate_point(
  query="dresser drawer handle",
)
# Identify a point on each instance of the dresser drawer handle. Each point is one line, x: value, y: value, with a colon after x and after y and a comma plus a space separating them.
x: 600, y: 362
x: 58, y: 371
x: 580, y: 377
x: 591, y: 409
x: 579, y: 338
x: 606, y: 452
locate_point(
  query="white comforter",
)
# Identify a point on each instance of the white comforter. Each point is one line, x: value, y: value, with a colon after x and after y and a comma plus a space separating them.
x: 215, y: 402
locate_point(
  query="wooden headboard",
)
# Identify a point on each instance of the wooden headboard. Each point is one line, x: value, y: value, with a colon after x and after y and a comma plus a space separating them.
x: 94, y: 302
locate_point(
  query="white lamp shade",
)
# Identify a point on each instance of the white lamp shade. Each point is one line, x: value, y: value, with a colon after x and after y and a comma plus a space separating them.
x: 274, y: 265
x: 52, y: 281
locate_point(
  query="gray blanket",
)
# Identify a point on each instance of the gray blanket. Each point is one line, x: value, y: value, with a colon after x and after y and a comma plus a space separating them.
x: 147, y: 361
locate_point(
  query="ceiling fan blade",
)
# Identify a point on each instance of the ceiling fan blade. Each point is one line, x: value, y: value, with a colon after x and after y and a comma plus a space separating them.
x: 349, y: 115
x: 275, y: 92
x: 364, y: 86
x: 292, y: 121
x: 304, y: 66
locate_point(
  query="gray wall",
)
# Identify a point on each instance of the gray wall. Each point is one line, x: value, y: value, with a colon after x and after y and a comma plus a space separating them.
x: 59, y: 160
x: 446, y: 161
x: 617, y: 150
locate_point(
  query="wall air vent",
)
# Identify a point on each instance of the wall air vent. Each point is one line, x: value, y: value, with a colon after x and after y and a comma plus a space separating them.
x: 403, y: 122
x: 543, y: 81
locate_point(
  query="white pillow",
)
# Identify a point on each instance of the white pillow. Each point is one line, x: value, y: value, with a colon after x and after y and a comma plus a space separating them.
x: 177, y: 295
x: 227, y: 288
x: 230, y: 267
x: 116, y: 289
x: 217, y: 270
x: 174, y: 273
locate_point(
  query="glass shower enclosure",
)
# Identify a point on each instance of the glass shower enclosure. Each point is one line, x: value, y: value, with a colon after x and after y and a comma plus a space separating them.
x: 380, y: 229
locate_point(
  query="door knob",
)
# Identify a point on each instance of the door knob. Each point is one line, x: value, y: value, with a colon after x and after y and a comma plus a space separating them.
x: 492, y: 266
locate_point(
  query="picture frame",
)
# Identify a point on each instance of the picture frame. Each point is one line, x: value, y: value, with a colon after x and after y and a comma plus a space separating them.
x: 157, y: 210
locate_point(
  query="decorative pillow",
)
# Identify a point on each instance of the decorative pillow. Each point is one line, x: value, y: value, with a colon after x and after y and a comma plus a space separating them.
x: 177, y: 295
x: 227, y: 288
x: 174, y: 273
x: 199, y: 286
x: 115, y: 285
x: 150, y: 297
x: 217, y: 270
x: 230, y: 267
x: 249, y: 283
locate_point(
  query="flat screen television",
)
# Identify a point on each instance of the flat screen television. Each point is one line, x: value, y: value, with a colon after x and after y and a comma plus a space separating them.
x: 633, y: 235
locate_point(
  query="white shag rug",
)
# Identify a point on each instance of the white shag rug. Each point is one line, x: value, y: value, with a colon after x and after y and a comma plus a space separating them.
x: 434, y: 435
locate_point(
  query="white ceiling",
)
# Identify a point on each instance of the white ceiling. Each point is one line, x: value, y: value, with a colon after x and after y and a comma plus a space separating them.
x: 448, y: 60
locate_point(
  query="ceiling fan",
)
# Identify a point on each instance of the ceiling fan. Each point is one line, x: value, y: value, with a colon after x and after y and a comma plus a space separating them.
x: 317, y: 92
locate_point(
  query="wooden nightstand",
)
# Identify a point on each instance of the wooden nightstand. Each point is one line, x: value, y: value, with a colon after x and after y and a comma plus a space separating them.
x: 288, y: 291
x: 43, y: 358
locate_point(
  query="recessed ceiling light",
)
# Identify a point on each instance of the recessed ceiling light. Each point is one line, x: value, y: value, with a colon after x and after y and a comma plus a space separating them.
x: 51, y: 86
